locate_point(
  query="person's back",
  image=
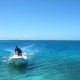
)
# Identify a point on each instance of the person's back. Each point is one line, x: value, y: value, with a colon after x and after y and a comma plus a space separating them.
x: 18, y: 51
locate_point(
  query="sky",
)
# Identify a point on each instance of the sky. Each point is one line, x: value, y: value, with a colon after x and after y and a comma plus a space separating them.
x: 40, y: 19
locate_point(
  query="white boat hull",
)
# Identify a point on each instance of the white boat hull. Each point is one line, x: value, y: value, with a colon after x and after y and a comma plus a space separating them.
x: 18, y: 59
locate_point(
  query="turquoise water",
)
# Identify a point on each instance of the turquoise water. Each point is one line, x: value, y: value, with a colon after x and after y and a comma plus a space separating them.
x: 47, y: 60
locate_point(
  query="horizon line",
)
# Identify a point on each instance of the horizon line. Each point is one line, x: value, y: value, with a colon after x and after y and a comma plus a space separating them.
x: 38, y: 40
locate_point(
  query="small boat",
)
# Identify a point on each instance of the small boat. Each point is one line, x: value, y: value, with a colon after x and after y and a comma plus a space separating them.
x: 18, y: 60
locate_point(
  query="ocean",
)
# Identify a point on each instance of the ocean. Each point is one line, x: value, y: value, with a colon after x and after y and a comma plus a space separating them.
x: 47, y: 60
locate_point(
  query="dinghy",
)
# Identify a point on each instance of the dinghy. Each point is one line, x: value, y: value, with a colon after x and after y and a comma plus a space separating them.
x: 18, y: 60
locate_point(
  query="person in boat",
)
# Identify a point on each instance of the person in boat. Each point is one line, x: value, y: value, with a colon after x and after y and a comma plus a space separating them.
x: 18, y: 51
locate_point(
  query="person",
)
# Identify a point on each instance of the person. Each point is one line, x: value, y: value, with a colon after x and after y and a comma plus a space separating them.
x: 18, y: 51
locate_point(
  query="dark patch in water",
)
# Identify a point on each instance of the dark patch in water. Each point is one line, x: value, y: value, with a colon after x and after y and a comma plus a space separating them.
x: 17, y: 68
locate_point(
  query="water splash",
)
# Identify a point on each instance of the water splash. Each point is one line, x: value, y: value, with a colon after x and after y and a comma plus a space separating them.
x: 30, y: 50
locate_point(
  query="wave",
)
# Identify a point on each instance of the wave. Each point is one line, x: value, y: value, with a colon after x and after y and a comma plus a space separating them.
x: 30, y: 50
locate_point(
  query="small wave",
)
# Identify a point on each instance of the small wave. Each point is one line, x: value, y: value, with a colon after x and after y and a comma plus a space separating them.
x: 4, y: 61
x: 4, y: 57
x: 30, y: 50
x: 27, y: 47
x: 9, y: 50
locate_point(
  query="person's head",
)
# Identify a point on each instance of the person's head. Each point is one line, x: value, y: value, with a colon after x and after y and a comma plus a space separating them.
x: 16, y: 46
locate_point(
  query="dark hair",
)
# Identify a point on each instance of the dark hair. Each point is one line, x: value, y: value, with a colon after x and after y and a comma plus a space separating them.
x: 16, y: 46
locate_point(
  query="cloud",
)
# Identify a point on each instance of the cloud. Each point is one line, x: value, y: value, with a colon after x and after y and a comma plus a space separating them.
x: 6, y: 37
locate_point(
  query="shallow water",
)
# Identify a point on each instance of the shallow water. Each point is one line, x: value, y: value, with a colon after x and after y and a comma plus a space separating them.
x: 47, y: 60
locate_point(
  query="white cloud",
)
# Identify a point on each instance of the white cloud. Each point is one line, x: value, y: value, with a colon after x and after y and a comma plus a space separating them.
x: 6, y: 37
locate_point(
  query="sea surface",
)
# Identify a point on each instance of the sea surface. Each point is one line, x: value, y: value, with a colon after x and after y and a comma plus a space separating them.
x: 47, y: 60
